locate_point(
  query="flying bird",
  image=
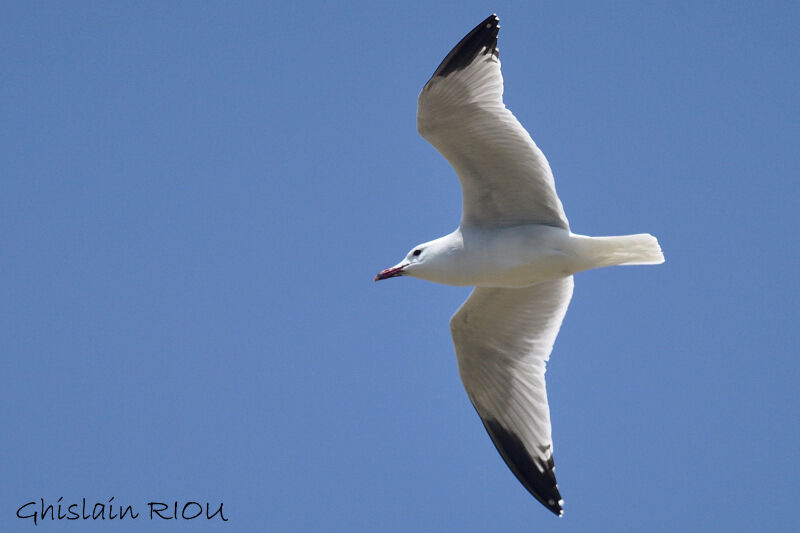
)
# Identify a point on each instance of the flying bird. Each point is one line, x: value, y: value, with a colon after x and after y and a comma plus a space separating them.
x: 514, y: 245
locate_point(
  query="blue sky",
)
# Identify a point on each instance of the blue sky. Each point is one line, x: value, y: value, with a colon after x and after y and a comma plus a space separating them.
x: 195, y: 198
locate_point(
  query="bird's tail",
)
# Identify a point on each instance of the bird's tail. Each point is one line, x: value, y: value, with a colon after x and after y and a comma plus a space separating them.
x: 639, y: 249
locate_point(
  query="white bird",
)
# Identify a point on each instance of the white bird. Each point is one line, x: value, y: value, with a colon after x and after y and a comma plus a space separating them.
x: 515, y: 246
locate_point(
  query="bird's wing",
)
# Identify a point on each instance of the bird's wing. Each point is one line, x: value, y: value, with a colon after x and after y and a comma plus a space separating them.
x: 505, y: 178
x: 503, y: 338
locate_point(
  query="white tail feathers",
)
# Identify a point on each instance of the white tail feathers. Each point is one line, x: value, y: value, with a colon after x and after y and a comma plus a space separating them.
x: 639, y: 249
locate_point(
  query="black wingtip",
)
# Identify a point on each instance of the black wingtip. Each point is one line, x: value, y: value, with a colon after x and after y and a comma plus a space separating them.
x: 542, y: 485
x: 482, y: 39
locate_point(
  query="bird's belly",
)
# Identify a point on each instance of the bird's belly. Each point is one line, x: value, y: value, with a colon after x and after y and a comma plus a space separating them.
x: 543, y: 267
x: 513, y: 257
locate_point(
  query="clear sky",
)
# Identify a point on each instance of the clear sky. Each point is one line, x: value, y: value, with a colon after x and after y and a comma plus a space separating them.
x: 195, y: 197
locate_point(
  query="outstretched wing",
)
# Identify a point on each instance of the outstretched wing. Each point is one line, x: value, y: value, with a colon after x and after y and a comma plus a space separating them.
x: 505, y: 178
x: 503, y: 338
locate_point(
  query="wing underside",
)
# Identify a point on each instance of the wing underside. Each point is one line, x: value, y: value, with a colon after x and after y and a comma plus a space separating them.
x: 505, y: 178
x: 503, y: 339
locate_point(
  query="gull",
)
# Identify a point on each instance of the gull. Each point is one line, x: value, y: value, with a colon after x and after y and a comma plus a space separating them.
x: 514, y: 245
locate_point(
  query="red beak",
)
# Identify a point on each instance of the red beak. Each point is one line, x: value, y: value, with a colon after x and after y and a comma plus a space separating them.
x: 390, y: 273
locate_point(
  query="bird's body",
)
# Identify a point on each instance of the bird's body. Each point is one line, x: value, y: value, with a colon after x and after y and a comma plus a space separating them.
x: 515, y: 246
x: 519, y: 256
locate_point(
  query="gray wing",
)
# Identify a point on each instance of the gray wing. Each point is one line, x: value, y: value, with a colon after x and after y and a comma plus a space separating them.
x: 503, y: 338
x: 505, y: 178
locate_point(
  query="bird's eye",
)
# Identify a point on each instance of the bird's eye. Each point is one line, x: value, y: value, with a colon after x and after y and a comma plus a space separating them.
x: 416, y: 252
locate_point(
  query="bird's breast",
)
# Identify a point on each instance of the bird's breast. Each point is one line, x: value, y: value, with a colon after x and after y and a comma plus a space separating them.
x: 513, y: 257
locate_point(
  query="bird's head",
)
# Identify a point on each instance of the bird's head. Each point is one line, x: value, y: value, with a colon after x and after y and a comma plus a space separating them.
x: 429, y: 261
x: 412, y: 265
